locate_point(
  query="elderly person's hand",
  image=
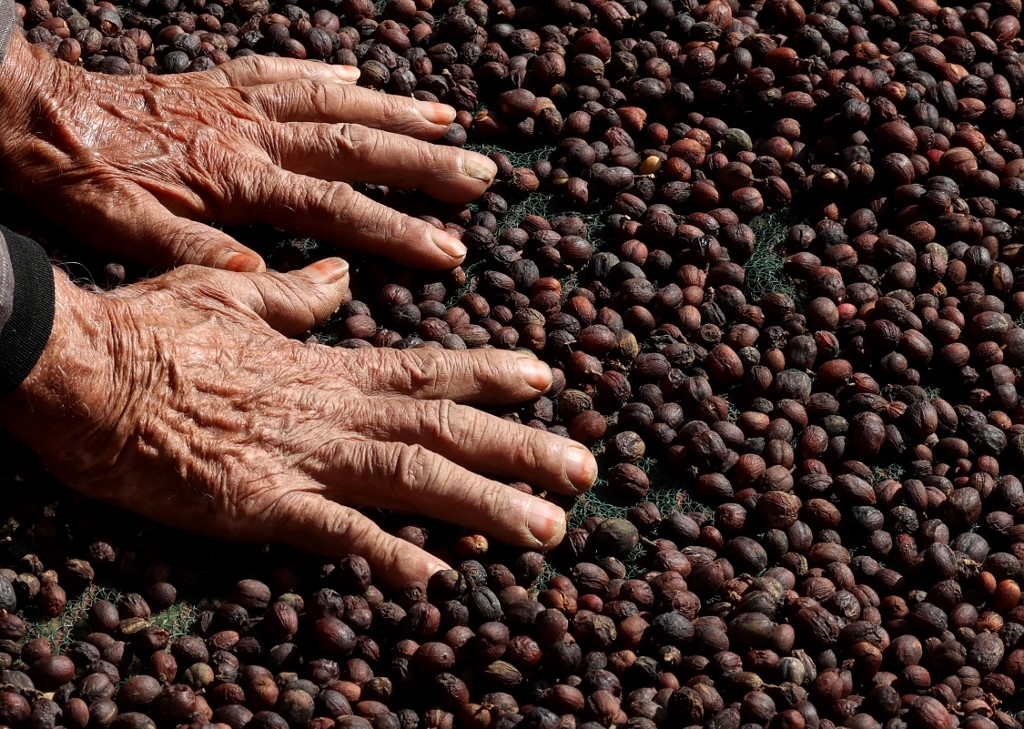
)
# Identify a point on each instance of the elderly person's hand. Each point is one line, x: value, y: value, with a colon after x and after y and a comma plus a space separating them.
x: 179, y: 398
x: 139, y: 165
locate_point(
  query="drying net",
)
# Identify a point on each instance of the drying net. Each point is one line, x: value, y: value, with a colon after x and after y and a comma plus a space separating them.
x: 72, y: 623
x: 764, y: 269
x: 544, y: 204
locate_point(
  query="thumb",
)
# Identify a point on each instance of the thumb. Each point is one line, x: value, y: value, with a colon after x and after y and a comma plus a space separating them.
x: 293, y: 302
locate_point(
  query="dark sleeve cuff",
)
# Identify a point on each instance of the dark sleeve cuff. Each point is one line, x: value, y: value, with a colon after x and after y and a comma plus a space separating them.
x: 24, y: 336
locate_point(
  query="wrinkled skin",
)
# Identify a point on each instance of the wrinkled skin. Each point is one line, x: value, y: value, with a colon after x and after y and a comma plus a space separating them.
x: 181, y: 399
x: 139, y: 166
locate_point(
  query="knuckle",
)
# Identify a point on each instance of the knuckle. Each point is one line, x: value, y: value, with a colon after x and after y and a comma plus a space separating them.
x: 342, y: 526
x: 320, y: 98
x: 499, y: 505
x: 441, y: 418
x: 431, y: 373
x: 340, y: 198
x: 260, y: 65
x: 423, y: 372
x: 335, y: 453
x: 252, y: 507
x: 403, y: 228
x: 522, y: 445
x: 371, y: 371
x: 415, y: 469
x: 256, y: 99
x: 371, y: 220
x: 357, y: 370
x: 351, y: 140
x: 366, y: 417
x: 387, y: 108
x: 185, y: 248
x: 440, y: 160
x: 409, y: 373
x: 237, y: 68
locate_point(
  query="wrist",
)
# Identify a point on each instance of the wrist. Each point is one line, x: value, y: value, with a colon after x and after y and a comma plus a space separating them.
x: 54, y: 392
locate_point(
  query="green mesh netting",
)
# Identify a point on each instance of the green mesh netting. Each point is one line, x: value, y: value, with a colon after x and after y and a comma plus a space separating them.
x: 518, y: 158
x: 894, y: 471
x: 668, y: 492
x: 764, y: 269
x: 542, y: 204
x: 473, y: 269
x: 72, y: 623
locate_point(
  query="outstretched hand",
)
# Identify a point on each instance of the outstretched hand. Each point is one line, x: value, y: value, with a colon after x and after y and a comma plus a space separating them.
x: 181, y: 399
x: 141, y: 166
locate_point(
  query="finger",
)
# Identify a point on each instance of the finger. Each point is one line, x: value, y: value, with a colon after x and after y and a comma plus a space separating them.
x: 293, y: 302
x: 414, y: 479
x: 481, y: 442
x: 311, y: 522
x: 132, y: 221
x: 356, y: 153
x: 334, y: 211
x: 174, y: 241
x: 482, y: 376
x: 305, y: 100
x: 265, y: 70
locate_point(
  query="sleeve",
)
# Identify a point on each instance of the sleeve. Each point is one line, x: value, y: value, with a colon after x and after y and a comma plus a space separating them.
x: 26, y: 306
x: 26, y: 279
x: 8, y: 24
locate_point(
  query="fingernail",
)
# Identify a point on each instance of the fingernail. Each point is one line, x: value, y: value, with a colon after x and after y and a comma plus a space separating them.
x: 434, y: 567
x: 239, y: 262
x: 546, y: 521
x: 580, y: 467
x: 347, y: 73
x: 451, y: 245
x: 329, y: 270
x: 479, y: 167
x: 436, y: 113
x: 536, y: 373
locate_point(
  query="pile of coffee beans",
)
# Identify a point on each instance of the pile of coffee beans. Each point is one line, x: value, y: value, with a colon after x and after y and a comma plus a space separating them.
x: 772, y: 251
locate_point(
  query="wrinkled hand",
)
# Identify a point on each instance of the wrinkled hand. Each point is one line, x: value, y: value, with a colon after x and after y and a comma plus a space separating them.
x: 177, y: 399
x: 138, y: 165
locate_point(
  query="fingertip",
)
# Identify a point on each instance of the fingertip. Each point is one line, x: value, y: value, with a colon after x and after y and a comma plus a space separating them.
x: 347, y: 74
x: 448, y: 244
x: 535, y: 373
x: 413, y: 565
x: 435, y: 565
x: 580, y: 468
x: 440, y: 114
x: 240, y: 262
x: 546, y: 522
x: 327, y: 271
x: 478, y: 167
